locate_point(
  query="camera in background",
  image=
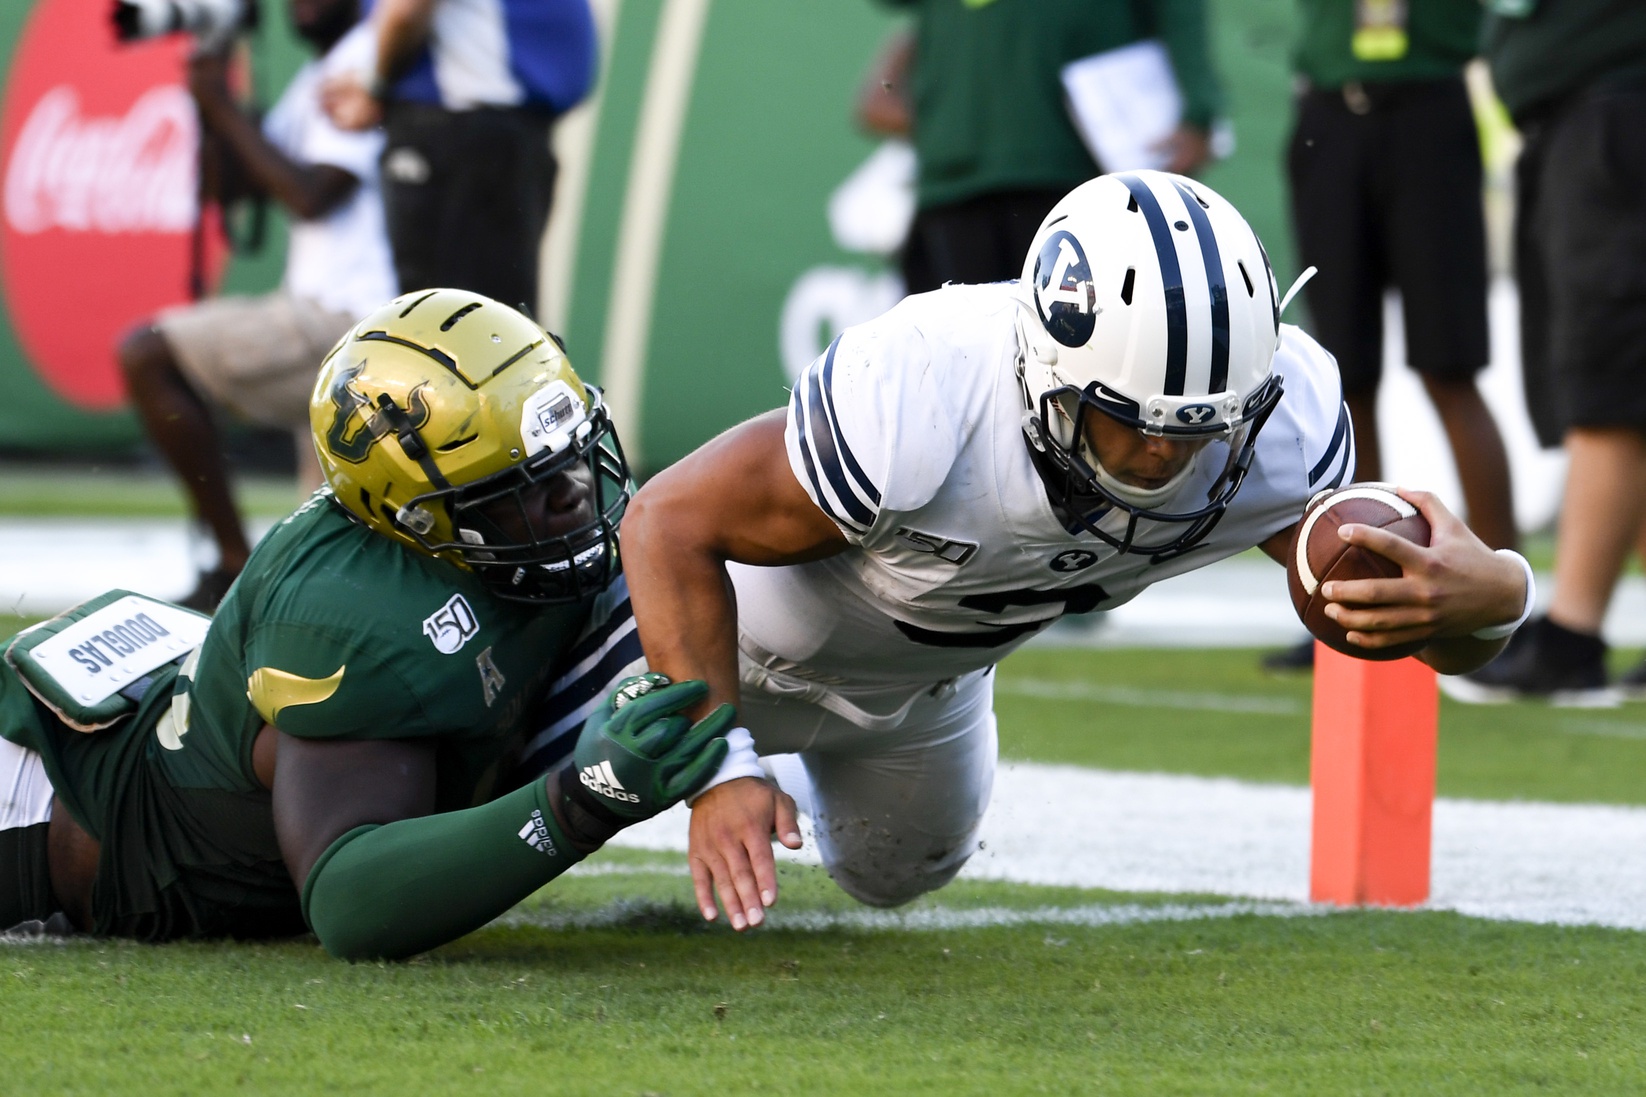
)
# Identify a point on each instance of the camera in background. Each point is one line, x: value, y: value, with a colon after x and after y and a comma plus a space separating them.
x: 214, y: 23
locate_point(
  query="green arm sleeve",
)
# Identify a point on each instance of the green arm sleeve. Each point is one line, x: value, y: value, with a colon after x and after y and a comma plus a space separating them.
x: 1183, y: 25
x: 400, y: 889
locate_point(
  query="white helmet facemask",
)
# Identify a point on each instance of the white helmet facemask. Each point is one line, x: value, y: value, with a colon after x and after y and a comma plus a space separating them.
x: 1146, y: 298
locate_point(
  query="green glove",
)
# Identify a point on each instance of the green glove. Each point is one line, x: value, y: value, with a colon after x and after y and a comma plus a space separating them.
x: 637, y: 755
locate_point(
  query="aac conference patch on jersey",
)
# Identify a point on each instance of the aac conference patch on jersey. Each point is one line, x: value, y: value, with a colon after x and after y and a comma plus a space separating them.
x: 451, y: 626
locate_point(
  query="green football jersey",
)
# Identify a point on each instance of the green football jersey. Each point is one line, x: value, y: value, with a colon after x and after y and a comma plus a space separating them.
x: 332, y: 632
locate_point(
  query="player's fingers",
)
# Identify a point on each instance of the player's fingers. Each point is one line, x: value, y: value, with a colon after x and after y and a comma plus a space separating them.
x: 1429, y: 505
x: 1408, y: 554
x: 763, y: 879
x: 752, y: 871
x: 717, y: 875
x: 1382, y: 619
x: 1368, y: 592
x: 659, y: 702
x: 652, y: 740
x: 678, y: 745
x: 692, y: 767
x: 787, y: 823
x: 1374, y: 640
x: 703, y: 885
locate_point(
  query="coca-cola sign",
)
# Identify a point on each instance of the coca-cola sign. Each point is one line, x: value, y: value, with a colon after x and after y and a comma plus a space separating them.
x: 111, y: 175
x: 97, y: 194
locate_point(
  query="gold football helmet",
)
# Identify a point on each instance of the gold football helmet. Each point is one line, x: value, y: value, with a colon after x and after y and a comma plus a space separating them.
x: 445, y: 421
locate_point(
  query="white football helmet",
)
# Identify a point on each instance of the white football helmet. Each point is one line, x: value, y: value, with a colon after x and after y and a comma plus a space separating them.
x: 1149, y: 299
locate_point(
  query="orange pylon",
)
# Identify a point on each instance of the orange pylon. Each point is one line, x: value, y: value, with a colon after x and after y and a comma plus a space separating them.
x: 1372, y: 767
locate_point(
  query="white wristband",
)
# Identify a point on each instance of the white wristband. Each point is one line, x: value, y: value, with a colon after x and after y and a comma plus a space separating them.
x: 741, y: 761
x: 1498, y: 632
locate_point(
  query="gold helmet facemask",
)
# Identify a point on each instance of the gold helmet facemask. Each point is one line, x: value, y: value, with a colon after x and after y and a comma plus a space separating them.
x: 445, y: 420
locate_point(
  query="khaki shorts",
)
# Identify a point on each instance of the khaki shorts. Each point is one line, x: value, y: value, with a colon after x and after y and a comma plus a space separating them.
x: 256, y: 356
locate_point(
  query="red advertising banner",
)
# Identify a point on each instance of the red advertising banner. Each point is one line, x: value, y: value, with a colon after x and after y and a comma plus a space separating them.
x: 97, y: 194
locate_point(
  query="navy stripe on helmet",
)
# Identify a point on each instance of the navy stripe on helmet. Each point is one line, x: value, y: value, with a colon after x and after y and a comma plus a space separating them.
x: 1269, y: 280
x: 1171, y: 275
x: 1213, y: 259
x: 1339, y: 446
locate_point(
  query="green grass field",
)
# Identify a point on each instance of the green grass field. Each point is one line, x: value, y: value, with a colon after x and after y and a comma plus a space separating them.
x: 645, y: 1003
x: 36, y: 491
x: 1131, y: 710
x: 607, y: 983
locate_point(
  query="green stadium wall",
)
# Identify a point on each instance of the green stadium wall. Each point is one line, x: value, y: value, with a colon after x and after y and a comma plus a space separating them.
x: 698, y: 186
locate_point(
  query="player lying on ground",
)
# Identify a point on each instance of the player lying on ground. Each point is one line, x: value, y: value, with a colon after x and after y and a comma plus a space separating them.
x: 951, y: 478
x: 329, y: 754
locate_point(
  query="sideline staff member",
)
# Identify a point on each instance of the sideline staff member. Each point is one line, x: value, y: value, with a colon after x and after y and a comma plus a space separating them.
x: 468, y: 91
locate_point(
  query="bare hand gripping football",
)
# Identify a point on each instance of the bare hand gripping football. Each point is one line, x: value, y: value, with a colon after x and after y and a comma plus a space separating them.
x: 1319, y: 553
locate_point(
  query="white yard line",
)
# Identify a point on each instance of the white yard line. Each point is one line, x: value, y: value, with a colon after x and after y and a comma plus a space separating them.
x: 1126, y: 696
x: 931, y: 918
x: 49, y: 564
x: 1074, y: 827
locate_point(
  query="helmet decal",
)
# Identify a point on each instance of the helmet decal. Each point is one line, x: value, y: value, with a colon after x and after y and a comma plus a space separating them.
x: 1063, y: 291
x: 549, y: 416
x: 374, y: 423
x: 1196, y: 414
x: 1171, y: 275
x: 1218, y: 290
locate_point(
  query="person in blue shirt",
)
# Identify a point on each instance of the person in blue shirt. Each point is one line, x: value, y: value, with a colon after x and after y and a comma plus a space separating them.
x: 467, y: 92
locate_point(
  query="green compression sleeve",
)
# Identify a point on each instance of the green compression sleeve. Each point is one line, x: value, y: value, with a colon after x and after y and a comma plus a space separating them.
x: 400, y: 889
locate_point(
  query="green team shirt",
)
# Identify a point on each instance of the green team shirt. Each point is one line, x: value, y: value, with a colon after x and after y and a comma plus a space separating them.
x: 1563, y: 46
x: 332, y: 632
x: 989, y: 111
x: 1344, y: 41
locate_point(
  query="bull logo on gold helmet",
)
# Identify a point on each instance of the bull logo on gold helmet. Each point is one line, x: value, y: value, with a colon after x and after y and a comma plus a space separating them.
x: 371, y: 424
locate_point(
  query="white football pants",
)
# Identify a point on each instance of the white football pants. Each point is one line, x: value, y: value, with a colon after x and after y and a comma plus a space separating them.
x: 895, y: 812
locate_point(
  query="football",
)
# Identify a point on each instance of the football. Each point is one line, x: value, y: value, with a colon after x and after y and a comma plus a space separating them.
x: 1318, y: 554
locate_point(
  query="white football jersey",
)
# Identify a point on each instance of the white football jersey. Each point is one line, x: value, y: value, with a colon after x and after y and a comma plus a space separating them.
x: 908, y: 433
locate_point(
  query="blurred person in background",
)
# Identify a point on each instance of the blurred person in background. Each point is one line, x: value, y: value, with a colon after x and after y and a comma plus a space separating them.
x: 981, y: 86
x: 257, y: 356
x: 467, y: 92
x: 1386, y: 176
x: 1573, y: 75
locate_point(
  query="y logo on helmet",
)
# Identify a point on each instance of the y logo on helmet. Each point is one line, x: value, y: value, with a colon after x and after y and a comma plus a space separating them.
x: 1063, y: 290
x: 370, y: 424
x: 1196, y: 414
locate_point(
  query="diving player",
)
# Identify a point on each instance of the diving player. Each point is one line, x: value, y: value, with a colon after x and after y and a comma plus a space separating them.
x: 954, y: 476
x: 334, y: 753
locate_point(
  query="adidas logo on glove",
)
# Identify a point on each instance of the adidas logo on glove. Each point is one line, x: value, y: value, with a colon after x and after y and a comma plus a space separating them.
x: 602, y: 780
